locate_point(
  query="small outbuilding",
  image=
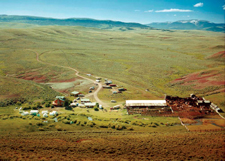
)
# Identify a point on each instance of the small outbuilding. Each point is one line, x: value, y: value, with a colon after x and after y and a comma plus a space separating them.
x: 90, y: 105
x: 85, y: 100
x: 34, y: 112
x: 75, y: 93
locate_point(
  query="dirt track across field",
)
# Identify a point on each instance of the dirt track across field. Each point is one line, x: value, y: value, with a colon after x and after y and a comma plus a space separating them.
x: 95, y: 93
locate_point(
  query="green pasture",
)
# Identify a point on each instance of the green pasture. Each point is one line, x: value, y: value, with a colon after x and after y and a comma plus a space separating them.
x: 13, y: 122
x: 138, y: 59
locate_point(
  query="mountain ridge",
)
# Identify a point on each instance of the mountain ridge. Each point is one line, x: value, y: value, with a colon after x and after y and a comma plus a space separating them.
x: 192, y: 24
x: 85, y: 22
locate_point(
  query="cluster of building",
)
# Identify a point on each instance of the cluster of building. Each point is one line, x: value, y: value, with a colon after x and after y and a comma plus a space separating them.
x: 44, y: 113
x: 190, y: 107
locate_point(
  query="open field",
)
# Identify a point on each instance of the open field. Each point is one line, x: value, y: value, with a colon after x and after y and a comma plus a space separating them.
x: 164, y: 62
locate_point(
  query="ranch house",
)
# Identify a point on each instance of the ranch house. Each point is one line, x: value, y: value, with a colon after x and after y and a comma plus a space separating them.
x: 59, y: 101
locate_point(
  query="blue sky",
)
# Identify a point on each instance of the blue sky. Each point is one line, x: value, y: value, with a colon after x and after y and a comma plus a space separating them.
x: 141, y: 11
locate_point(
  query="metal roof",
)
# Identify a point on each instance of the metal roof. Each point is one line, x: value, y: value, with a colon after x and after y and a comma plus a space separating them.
x: 90, y: 104
x: 146, y: 103
x: 85, y: 99
x: 75, y: 92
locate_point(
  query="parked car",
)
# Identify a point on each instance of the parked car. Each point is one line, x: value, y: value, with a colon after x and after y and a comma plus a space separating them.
x: 78, y: 98
x: 90, y: 91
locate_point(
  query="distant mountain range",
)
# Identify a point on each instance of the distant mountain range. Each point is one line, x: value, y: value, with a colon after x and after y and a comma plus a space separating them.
x: 189, y: 25
x: 86, y: 22
x: 109, y: 24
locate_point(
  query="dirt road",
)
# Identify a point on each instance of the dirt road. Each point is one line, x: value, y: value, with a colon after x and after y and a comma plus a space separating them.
x: 95, y: 93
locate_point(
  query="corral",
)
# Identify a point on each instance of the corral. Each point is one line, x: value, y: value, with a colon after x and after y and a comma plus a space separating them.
x: 191, y: 107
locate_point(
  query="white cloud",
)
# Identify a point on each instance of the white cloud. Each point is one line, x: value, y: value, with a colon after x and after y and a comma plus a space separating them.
x: 149, y: 11
x: 223, y: 7
x: 200, y: 4
x: 173, y: 10
x: 136, y: 10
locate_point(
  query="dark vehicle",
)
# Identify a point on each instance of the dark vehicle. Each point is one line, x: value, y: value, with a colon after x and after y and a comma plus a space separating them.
x: 90, y: 91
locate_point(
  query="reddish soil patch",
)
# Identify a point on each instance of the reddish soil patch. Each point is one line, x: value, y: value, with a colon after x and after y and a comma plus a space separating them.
x: 202, y: 79
x: 34, y: 76
x: 83, y: 140
x: 165, y: 37
x: 219, y: 55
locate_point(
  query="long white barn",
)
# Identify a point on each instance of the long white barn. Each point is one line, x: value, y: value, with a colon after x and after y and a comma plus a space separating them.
x: 145, y: 103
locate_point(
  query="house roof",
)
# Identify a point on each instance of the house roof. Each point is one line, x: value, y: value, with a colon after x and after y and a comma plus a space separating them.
x: 60, y: 97
x: 146, y: 103
x: 75, y: 92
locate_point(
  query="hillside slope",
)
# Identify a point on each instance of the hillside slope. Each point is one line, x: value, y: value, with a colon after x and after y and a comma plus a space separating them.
x: 138, y: 59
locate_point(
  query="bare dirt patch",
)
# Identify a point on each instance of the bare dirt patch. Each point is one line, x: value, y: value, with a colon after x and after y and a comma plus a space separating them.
x: 202, y: 79
x: 218, y: 56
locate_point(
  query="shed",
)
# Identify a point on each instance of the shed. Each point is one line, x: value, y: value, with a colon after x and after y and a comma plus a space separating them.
x: 92, y: 88
x: 85, y: 100
x: 53, y: 113
x: 112, y: 85
x: 34, y: 112
x: 75, y: 93
x: 107, y: 87
x: 45, y: 115
x: 90, y: 105
x: 44, y: 112
x: 25, y: 113
x: 73, y: 104
x: 81, y: 95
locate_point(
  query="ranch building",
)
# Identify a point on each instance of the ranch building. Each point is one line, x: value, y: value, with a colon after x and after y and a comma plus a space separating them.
x: 75, y: 93
x: 143, y: 106
x: 59, y: 101
x: 85, y: 100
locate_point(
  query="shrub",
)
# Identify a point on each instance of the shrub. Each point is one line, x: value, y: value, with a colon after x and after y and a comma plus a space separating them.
x: 130, y: 128
x: 91, y: 124
x: 119, y: 127
x: 5, y: 117
x: 96, y: 108
x: 51, y: 125
x: 65, y: 121
x: 41, y: 129
x: 39, y: 124
x: 58, y: 128
x: 103, y: 126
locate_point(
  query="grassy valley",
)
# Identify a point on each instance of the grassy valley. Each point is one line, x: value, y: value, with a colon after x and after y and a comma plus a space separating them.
x: 168, y: 62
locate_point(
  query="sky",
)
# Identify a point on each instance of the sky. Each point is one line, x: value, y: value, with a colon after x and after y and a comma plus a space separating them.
x: 140, y: 11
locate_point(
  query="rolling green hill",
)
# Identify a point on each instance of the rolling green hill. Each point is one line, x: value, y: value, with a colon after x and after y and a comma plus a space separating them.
x: 139, y: 59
